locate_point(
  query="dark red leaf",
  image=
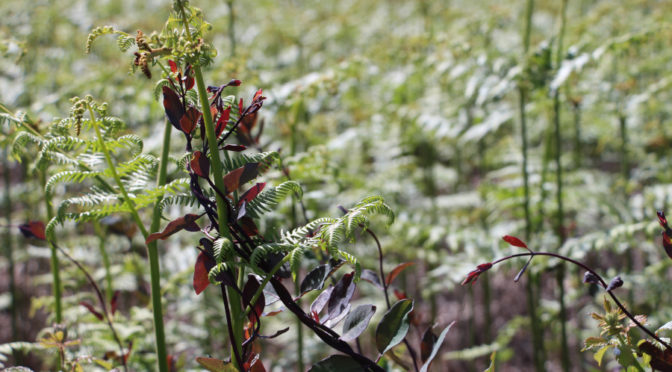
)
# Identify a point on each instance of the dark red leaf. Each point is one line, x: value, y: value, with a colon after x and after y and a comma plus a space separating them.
x: 190, y: 119
x: 128, y: 353
x: 33, y: 229
x: 251, y: 193
x: 396, y: 271
x: 186, y: 222
x: 173, y: 106
x: 249, y: 290
x: 188, y: 82
x: 427, y: 344
x: 221, y: 122
x: 240, y: 107
x: 235, y: 148
x: 234, y: 83
x: 91, y: 309
x: 240, y: 176
x: 173, y: 66
x: 257, y: 95
x: 341, y: 295
x: 473, y: 275
x: 113, y: 302
x: 400, y: 295
x: 200, y: 164
x: 248, y: 226
x: 667, y: 244
x: 661, y: 219
x: 203, y: 265
x: 514, y: 241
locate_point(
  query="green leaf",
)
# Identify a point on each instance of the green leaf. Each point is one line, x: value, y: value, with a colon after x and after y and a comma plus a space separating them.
x: 215, y: 365
x: 600, y: 354
x: 336, y: 363
x: 437, y: 346
x: 493, y: 358
x: 393, y: 327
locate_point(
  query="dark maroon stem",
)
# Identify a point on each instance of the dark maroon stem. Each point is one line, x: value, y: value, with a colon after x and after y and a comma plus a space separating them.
x: 602, y: 283
x: 239, y: 359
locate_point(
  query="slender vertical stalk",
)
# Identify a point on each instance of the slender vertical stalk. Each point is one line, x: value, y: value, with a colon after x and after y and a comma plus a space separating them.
x: 106, y: 259
x: 7, y: 206
x: 560, y: 223
x: 532, y: 301
x: 153, y: 254
x: 232, y: 30
x: 157, y: 309
x: 55, y: 266
x: 625, y: 167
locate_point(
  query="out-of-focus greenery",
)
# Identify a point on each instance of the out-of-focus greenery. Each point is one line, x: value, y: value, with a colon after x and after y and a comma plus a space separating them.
x: 412, y: 100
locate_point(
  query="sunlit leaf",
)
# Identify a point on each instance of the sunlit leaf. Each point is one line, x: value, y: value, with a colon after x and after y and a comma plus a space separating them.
x: 395, y: 272
x: 186, y: 222
x: 33, y: 229
x: 203, y: 265
x: 357, y: 321
x: 215, y: 365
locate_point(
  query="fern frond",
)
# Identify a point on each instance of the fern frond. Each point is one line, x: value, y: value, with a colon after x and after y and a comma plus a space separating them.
x: 22, y: 140
x: 295, y: 258
x: 352, y: 261
x: 270, y: 197
x: 241, y: 159
x: 223, y: 249
x: 262, y: 251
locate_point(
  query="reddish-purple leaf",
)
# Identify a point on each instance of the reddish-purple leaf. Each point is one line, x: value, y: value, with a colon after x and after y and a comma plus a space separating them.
x: 248, y: 226
x: 188, y: 82
x: 186, y: 222
x: 257, y: 95
x: 240, y: 176
x: 667, y: 244
x: 371, y: 277
x: 427, y: 344
x: 33, y: 229
x: 221, y: 122
x: 393, y: 274
x: 249, y: 290
x: 200, y: 164
x: 435, y: 348
x: 252, y: 193
x: 514, y: 241
x: 341, y: 295
x: 234, y: 148
x: 357, y: 321
x: 319, y: 303
x: 240, y: 106
x: 173, y: 106
x: 190, y: 119
x: 113, y: 302
x: 203, y: 265
x: 173, y: 66
x: 91, y: 309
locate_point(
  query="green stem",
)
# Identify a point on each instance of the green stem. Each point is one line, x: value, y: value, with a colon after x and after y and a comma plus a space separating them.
x: 55, y: 266
x: 532, y: 300
x: 560, y: 224
x: 106, y: 259
x: 7, y: 178
x: 153, y: 255
x: 157, y: 310
x: 232, y: 30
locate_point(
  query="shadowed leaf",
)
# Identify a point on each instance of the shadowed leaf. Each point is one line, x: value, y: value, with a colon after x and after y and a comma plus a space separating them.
x: 190, y: 119
x: 251, y: 193
x: 314, y: 279
x: 427, y: 344
x: 341, y: 295
x: 200, y: 164
x: 249, y: 290
x: 337, y: 363
x: 371, y: 277
x: 215, y: 365
x: 173, y: 107
x: 435, y: 348
x: 393, y: 327
x: 221, y: 122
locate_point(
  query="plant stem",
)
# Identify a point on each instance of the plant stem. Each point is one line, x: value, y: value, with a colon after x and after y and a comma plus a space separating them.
x: 7, y: 178
x: 560, y: 224
x: 106, y: 259
x: 532, y: 301
x: 103, y: 304
x: 232, y: 30
x: 153, y: 255
x: 601, y: 281
x: 55, y: 266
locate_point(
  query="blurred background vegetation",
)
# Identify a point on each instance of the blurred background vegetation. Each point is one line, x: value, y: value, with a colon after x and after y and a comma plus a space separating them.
x: 417, y: 101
